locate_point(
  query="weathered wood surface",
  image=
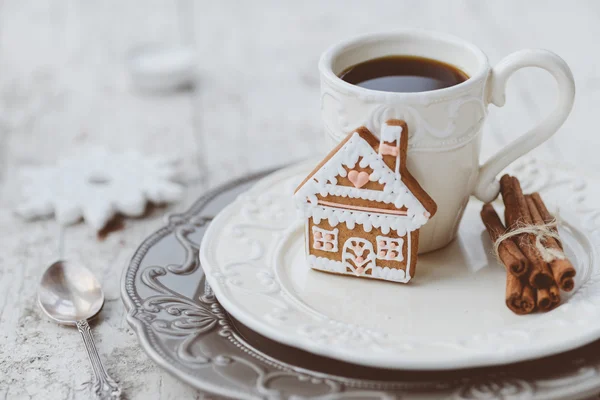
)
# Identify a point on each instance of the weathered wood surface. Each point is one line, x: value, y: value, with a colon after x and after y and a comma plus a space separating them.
x: 63, y: 85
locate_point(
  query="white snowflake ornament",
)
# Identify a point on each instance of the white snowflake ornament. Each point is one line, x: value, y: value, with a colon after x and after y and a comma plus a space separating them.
x: 96, y: 184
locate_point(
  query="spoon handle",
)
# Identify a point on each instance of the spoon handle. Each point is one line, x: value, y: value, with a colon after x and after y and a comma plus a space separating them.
x: 104, y: 387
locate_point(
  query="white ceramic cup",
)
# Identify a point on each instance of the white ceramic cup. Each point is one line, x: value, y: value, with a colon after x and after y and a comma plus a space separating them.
x: 444, y: 125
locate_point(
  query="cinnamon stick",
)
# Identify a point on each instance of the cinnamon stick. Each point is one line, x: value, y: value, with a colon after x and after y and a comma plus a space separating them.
x: 508, y: 252
x: 554, y: 295
x: 546, y: 216
x: 541, y: 207
x: 543, y: 299
x: 520, y: 297
x: 549, y: 298
x: 511, y: 208
x: 562, y: 269
x: 517, y: 215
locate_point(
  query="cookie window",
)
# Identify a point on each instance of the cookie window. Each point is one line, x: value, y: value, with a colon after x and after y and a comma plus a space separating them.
x: 389, y: 249
x: 325, y: 240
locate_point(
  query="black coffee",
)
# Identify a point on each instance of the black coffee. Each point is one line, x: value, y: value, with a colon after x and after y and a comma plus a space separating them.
x: 403, y: 74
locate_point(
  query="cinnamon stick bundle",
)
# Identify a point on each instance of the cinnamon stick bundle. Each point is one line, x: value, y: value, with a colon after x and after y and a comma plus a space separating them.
x: 520, y: 296
x: 536, y: 266
x: 516, y: 215
x: 562, y: 269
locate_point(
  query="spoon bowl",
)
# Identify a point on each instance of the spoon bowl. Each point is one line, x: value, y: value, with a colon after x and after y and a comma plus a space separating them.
x: 70, y: 293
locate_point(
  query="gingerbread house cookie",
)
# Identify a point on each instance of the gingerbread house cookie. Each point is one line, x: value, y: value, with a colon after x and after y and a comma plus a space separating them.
x: 363, y: 209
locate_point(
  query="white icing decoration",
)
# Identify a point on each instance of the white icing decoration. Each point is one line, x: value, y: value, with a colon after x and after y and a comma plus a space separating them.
x: 325, y: 264
x: 324, y: 182
x: 324, y: 241
x: 399, y: 242
x: 388, y: 274
x: 367, y: 194
x: 409, y: 252
x: 390, y: 133
x: 399, y: 223
x: 355, y: 247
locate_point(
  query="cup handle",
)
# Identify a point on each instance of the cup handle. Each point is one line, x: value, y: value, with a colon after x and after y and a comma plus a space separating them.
x: 488, y: 187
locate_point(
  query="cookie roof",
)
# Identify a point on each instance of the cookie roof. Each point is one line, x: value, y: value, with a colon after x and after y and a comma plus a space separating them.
x: 399, y: 187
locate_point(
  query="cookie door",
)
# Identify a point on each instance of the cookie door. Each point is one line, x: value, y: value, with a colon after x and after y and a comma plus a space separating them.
x: 358, y: 256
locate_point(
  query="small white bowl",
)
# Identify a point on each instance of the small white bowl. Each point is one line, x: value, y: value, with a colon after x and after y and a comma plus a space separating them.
x: 162, y: 68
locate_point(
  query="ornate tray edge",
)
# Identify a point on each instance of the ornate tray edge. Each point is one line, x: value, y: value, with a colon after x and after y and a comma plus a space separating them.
x: 128, y: 295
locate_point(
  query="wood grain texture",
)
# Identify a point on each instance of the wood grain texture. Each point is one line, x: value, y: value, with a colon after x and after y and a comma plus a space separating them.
x: 63, y: 85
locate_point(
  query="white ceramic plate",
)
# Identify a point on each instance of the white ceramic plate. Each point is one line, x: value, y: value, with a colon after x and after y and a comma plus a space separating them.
x: 451, y: 315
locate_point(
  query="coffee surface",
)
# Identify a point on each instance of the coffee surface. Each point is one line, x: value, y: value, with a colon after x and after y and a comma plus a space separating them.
x: 403, y: 74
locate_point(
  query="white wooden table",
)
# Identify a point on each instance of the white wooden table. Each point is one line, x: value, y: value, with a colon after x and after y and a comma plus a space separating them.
x: 63, y: 86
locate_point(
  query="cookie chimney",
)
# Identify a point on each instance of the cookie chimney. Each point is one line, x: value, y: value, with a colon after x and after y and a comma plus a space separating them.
x: 393, y: 144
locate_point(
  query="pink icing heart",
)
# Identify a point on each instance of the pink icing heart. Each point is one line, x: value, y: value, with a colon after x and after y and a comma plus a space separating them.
x: 358, y: 179
x: 359, y: 271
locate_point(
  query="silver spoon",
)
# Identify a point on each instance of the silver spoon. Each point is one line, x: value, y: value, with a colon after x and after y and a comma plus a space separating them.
x: 70, y: 295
